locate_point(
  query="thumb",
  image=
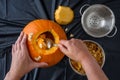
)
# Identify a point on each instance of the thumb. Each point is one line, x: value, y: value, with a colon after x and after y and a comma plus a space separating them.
x: 63, y: 48
x: 40, y: 65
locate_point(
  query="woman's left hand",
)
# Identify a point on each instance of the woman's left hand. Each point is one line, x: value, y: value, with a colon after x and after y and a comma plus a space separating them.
x: 21, y: 61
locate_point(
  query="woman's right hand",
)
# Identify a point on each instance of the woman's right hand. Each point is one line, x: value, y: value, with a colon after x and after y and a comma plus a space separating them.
x: 74, y: 49
x: 77, y: 50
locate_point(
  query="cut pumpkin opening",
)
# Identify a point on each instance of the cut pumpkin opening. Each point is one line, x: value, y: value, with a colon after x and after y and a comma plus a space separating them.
x: 46, y: 40
x: 49, y: 35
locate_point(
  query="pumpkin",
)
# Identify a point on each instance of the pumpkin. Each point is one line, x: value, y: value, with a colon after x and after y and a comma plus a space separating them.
x: 37, y: 31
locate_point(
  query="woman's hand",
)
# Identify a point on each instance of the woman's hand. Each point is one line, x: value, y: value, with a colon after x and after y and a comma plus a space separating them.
x: 77, y: 50
x: 74, y: 49
x: 21, y: 61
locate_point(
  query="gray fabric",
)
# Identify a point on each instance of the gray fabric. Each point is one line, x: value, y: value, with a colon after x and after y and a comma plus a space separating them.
x: 15, y: 14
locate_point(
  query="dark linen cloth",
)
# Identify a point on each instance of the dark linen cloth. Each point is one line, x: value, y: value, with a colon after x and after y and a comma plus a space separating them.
x: 15, y: 14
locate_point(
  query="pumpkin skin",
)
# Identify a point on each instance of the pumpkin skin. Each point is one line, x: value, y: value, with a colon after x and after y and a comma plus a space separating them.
x: 35, y: 29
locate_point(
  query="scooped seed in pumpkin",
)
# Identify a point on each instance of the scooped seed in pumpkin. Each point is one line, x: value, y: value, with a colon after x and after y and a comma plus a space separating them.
x: 30, y: 36
x: 37, y: 58
x: 66, y: 29
x: 46, y: 40
x: 41, y: 43
x: 71, y: 35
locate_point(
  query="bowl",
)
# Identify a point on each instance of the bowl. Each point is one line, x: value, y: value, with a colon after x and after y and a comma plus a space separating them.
x: 96, y: 51
x: 98, y: 20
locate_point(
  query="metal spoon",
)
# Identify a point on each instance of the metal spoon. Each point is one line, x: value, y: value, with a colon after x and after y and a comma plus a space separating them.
x: 49, y: 43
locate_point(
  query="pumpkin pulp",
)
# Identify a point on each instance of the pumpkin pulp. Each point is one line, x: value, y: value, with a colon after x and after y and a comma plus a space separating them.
x: 41, y: 43
x: 43, y: 39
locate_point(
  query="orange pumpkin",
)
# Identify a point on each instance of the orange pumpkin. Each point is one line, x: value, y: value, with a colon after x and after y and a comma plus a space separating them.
x: 38, y: 31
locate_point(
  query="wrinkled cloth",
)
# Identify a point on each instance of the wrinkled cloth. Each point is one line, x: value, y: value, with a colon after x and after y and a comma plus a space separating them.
x: 15, y: 14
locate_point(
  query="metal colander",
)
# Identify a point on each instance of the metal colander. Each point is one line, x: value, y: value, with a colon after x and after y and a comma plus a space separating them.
x: 98, y: 20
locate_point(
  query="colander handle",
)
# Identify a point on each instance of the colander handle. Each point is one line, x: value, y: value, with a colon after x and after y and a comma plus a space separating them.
x: 115, y: 31
x: 86, y: 5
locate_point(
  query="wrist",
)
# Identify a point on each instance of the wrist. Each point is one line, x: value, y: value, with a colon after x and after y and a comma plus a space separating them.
x: 87, y: 59
x: 86, y: 56
x: 92, y: 69
x: 11, y: 76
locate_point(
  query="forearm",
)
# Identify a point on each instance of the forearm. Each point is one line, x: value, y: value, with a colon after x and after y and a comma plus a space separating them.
x: 10, y: 76
x: 93, y: 70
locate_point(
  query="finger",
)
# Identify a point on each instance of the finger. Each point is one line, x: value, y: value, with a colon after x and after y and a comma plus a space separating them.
x: 18, y: 46
x: 13, y: 49
x: 24, y: 39
x: 64, y: 42
x: 23, y: 42
x: 73, y: 39
x: 63, y: 48
x: 20, y: 38
x: 15, y: 46
x: 41, y: 65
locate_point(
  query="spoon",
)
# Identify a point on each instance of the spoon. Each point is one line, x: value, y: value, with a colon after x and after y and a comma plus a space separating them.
x: 49, y: 43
